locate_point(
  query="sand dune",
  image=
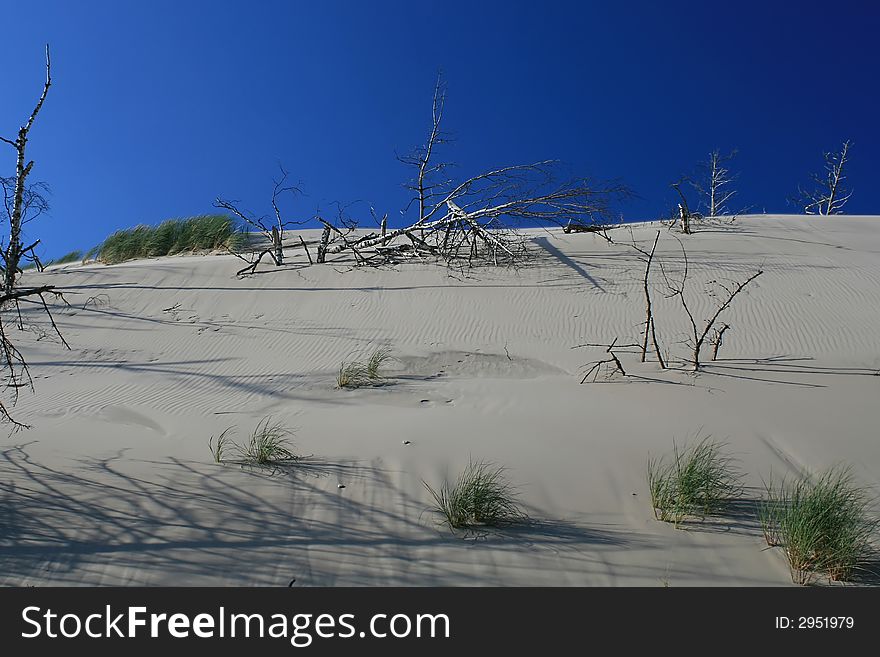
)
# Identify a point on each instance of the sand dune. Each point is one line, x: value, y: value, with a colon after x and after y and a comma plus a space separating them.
x: 114, y: 484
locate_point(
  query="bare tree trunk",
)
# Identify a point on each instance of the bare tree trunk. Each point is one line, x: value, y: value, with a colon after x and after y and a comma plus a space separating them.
x: 835, y: 178
x: 322, y: 246
x: 684, y: 212
x: 15, y: 249
x: 276, y: 244
x: 716, y: 341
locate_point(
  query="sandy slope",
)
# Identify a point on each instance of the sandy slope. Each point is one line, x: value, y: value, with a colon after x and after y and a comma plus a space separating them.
x: 115, y: 484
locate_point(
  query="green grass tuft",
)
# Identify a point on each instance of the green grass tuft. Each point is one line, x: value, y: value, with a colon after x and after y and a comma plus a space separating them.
x: 480, y: 497
x: 697, y: 481
x: 269, y: 444
x: 358, y: 374
x: 202, y: 233
x: 220, y: 446
x: 73, y: 256
x: 822, y: 524
x: 375, y: 362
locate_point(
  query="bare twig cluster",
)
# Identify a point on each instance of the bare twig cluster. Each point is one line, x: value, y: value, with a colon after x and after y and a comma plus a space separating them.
x: 469, y: 222
x: 273, y: 232
x: 714, y: 183
x: 609, y: 366
x: 700, y: 334
x: 830, y: 193
x: 708, y: 332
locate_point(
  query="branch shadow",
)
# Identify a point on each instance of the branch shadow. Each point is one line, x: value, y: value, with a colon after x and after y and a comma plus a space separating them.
x: 114, y: 520
x: 544, y: 243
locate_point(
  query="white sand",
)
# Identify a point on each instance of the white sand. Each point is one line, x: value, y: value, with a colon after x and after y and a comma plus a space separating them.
x: 114, y: 484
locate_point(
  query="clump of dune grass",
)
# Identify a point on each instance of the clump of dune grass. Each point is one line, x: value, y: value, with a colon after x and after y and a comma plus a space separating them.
x: 73, y: 256
x: 352, y: 375
x: 220, y: 447
x: 358, y: 374
x: 480, y: 497
x: 268, y: 444
x: 201, y: 233
x: 375, y: 362
x: 822, y: 524
x: 697, y: 481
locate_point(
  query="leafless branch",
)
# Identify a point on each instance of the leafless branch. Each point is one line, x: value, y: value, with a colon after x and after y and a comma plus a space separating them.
x: 830, y: 193
x: 24, y: 198
x: 610, y: 366
x: 699, y: 335
x: 714, y: 183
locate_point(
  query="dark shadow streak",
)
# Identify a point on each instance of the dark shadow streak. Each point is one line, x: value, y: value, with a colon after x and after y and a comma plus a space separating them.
x: 563, y: 258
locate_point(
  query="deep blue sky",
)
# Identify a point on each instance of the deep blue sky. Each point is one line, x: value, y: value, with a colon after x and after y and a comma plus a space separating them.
x: 158, y: 107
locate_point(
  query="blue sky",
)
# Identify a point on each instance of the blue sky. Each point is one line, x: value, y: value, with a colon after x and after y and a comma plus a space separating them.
x: 159, y: 107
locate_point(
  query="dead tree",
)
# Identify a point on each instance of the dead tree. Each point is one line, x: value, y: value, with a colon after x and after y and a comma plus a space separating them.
x: 24, y: 197
x: 685, y: 216
x: 830, y: 193
x: 699, y: 335
x: 425, y: 185
x: 274, y: 234
x: 23, y: 202
x: 472, y: 221
x: 714, y: 183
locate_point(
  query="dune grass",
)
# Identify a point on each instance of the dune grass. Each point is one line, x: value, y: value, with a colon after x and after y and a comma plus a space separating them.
x: 269, y: 444
x: 822, y: 524
x: 220, y: 447
x: 201, y: 233
x: 480, y: 497
x: 73, y: 256
x: 698, y: 481
x: 375, y: 362
x: 358, y: 374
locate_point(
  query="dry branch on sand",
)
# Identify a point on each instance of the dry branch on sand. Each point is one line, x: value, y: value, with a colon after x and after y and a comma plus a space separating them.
x: 274, y: 233
x: 700, y: 335
x: 607, y: 366
x: 467, y: 222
